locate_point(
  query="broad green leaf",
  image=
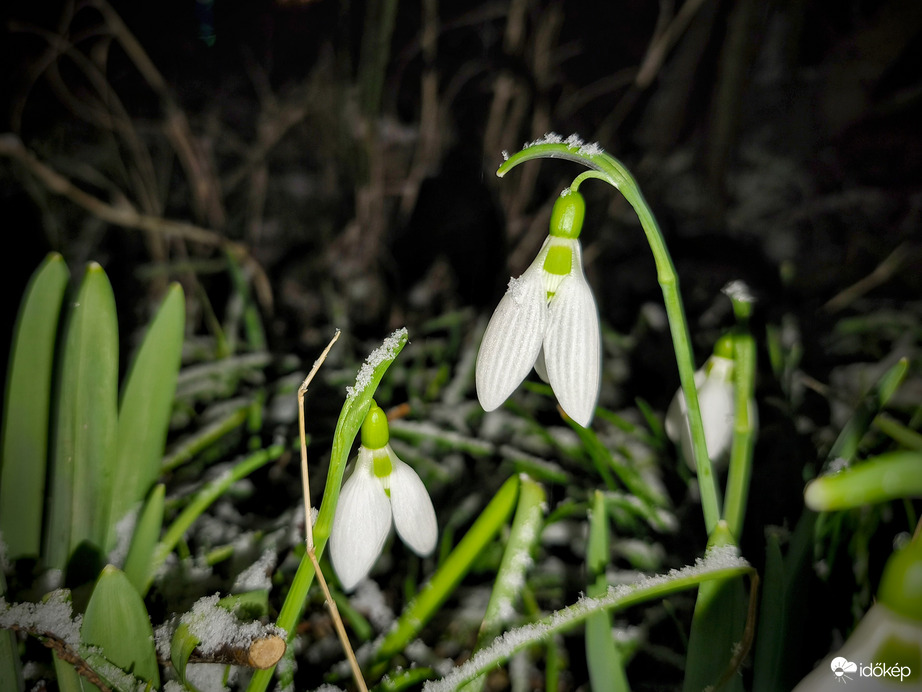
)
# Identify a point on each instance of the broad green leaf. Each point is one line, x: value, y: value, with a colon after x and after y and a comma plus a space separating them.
x: 27, y: 407
x: 140, y: 559
x: 145, y: 407
x: 116, y: 624
x: 85, y: 422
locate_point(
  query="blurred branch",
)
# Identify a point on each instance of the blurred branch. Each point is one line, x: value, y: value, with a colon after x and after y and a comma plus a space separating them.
x: 126, y: 215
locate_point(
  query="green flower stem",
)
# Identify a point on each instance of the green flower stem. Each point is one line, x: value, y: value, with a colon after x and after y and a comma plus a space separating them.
x: 612, y: 171
x: 523, y: 537
x: 207, y: 495
x: 452, y: 571
x: 883, y: 478
x: 358, y: 401
x: 740, y: 471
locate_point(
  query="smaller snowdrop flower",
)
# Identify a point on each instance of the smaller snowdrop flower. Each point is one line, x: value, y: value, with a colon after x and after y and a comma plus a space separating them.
x: 547, y: 320
x: 381, y: 488
x: 884, y: 651
x: 717, y: 401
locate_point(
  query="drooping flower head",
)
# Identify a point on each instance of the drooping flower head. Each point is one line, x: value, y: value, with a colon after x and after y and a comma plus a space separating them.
x: 547, y: 320
x: 381, y: 488
x: 717, y: 401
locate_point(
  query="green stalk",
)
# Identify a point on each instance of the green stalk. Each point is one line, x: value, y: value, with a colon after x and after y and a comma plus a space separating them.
x: 607, y: 168
x: 744, y: 433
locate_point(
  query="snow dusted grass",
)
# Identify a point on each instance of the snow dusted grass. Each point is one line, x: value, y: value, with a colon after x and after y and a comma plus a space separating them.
x: 718, y: 563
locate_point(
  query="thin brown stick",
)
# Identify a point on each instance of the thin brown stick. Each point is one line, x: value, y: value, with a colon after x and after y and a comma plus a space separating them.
x: 902, y: 256
x: 309, y: 528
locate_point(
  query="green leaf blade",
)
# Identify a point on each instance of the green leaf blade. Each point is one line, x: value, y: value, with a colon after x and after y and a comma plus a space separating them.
x: 146, y: 405
x: 27, y: 407
x: 86, y: 422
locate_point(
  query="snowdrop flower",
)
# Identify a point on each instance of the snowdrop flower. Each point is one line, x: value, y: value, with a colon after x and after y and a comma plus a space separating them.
x: 547, y: 320
x: 717, y: 401
x: 380, y: 488
x: 883, y: 651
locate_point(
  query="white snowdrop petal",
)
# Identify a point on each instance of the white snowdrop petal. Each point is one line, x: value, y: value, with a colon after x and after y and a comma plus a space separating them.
x: 717, y: 401
x: 513, y: 338
x: 414, y: 515
x: 572, y: 345
x: 360, y: 525
x: 540, y: 367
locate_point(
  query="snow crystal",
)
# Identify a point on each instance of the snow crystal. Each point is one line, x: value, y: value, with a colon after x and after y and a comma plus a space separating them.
x: 574, y: 141
x: 505, y: 155
x: 516, y: 290
x: 738, y: 291
x: 216, y: 627
x: 53, y: 616
x: 369, y: 599
x: 258, y: 575
x: 386, y: 351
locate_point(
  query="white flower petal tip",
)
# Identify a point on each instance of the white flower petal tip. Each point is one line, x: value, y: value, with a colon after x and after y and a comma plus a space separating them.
x: 717, y: 402
x: 548, y: 321
x: 414, y: 515
x: 512, y: 340
x: 364, y: 514
x: 361, y: 524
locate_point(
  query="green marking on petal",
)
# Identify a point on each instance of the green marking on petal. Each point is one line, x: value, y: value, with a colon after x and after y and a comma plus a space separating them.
x: 559, y: 260
x: 375, y: 433
x: 382, y: 466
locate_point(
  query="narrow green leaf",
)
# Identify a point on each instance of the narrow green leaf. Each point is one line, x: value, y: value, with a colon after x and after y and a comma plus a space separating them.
x: 604, y: 660
x: 145, y: 407
x: 27, y: 407
x: 140, y: 559
x: 524, y: 536
x: 203, y: 499
x: 718, y: 563
x: 83, y: 462
x: 116, y: 624
x: 717, y: 628
x: 880, y: 479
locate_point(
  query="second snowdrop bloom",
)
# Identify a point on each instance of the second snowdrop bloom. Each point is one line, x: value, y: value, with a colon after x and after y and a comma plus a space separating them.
x: 547, y: 320
x: 717, y: 401
x: 380, y: 490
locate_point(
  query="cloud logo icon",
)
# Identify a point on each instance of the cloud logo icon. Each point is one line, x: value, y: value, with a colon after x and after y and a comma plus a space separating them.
x: 840, y: 666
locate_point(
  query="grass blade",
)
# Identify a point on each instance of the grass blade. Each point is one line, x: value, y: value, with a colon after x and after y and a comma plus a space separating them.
x: 140, y: 559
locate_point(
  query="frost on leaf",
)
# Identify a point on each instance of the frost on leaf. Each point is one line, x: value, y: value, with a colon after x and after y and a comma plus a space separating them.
x: 574, y: 141
x: 386, y: 351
